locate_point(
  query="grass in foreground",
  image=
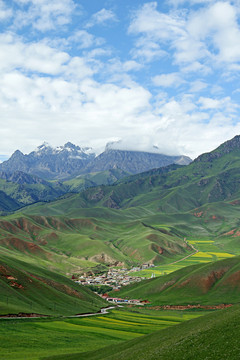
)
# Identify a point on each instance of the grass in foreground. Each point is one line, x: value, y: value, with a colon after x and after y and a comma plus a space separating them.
x: 211, y: 337
x: 34, y: 339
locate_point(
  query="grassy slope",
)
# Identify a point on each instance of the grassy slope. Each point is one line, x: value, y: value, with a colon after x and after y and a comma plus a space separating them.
x: 83, y: 241
x: 107, y: 177
x: 211, y: 283
x: 37, y: 338
x: 27, y: 288
x: 213, y: 337
x: 169, y: 190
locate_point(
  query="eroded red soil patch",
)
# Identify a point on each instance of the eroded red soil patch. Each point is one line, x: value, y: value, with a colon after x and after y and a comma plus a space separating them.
x: 23, y: 246
x: 198, y: 214
x: 233, y: 280
x: 235, y: 202
x: 231, y: 232
x: 4, y: 271
x: 207, y: 282
x: 187, y: 307
x: 60, y: 287
x: 16, y: 285
x: 22, y: 315
x: 27, y: 226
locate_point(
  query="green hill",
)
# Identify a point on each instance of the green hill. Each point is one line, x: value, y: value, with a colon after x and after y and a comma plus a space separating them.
x: 27, y: 288
x: 210, y: 178
x: 214, y: 337
x: 83, y: 182
x: 71, y: 245
x: 205, y: 284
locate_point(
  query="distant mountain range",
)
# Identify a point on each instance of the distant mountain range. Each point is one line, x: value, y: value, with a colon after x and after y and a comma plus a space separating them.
x: 68, y: 161
x: 50, y: 163
x: 140, y: 218
x: 212, y: 177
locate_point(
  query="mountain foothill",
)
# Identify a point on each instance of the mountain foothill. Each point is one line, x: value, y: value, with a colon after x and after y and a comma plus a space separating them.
x: 66, y: 211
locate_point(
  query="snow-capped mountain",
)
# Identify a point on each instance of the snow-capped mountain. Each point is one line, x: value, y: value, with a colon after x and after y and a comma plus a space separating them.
x: 50, y: 163
x: 70, y: 160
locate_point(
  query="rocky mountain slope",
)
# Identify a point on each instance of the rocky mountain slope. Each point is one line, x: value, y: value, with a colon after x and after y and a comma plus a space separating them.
x: 68, y: 161
x: 133, y: 162
x: 50, y: 163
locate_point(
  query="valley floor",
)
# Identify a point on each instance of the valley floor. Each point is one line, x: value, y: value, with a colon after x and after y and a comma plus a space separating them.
x: 32, y: 339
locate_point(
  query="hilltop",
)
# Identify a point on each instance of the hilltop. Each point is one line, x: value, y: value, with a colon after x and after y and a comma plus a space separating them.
x: 211, y: 283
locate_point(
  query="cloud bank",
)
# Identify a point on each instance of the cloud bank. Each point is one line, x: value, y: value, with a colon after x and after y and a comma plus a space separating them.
x: 149, y: 75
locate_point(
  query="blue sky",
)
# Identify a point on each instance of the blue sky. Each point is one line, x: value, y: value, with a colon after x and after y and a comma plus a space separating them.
x: 139, y: 73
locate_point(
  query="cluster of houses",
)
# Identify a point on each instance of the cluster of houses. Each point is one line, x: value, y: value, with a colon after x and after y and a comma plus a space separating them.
x: 115, y: 300
x: 116, y: 278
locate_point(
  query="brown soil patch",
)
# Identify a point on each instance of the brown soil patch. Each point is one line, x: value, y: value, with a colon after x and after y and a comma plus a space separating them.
x: 231, y: 232
x: 187, y: 307
x: 49, y: 222
x: 233, y: 280
x: 6, y: 225
x: 16, y: 285
x: 198, y: 214
x: 206, y: 283
x: 22, y: 315
x: 81, y: 223
x: 184, y: 283
x: 235, y: 202
x: 60, y: 287
x: 27, y: 226
x: 3, y: 271
x: 152, y: 237
x: 10, y: 277
x: 157, y: 248
x: 23, y: 246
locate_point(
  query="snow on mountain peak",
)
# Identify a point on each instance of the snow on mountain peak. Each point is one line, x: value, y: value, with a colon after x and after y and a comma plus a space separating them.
x: 73, y: 150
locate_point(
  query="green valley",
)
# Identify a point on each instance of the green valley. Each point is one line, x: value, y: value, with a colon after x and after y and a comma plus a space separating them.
x: 183, y: 221
x: 42, y: 338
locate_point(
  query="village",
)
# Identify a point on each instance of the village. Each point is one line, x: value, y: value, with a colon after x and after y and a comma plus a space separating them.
x: 115, y: 278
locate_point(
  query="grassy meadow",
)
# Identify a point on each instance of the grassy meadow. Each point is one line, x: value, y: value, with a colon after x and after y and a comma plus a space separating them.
x: 211, y: 337
x: 32, y: 339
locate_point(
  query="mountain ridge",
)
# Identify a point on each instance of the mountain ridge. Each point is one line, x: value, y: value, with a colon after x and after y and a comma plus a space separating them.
x: 69, y: 161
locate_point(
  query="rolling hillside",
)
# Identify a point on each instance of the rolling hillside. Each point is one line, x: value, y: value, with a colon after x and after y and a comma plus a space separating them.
x: 213, y: 337
x: 205, y: 284
x: 29, y: 289
x: 75, y: 244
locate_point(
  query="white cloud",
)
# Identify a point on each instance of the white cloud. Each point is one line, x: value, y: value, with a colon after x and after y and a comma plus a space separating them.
x: 5, y: 12
x: 208, y: 103
x: 197, y: 86
x: 217, y: 25
x: 35, y: 57
x: 223, y: 103
x: 147, y: 50
x: 192, y: 2
x: 101, y: 18
x: 197, y: 39
x: 44, y: 15
x: 80, y: 88
x: 168, y: 80
x: 84, y: 39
